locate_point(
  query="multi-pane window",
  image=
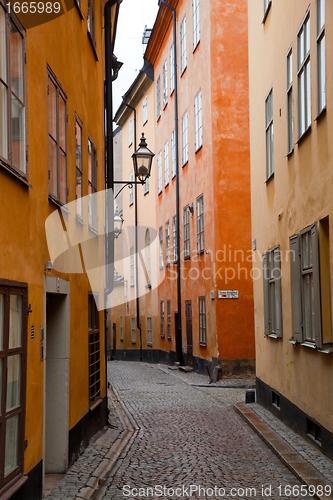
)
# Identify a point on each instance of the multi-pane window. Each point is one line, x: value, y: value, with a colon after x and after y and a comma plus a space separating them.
x: 57, y: 125
x: 132, y: 266
x: 202, y: 321
x: 306, y: 291
x: 145, y: 110
x: 166, y: 163
x: 198, y: 120
x: 290, y: 109
x: 91, y: 21
x: 186, y: 232
x: 159, y: 171
x: 184, y: 138
x: 196, y: 22
x: 148, y: 257
x: 321, y: 57
x: 174, y: 238
x: 121, y: 328
x: 78, y: 169
x: 149, y: 330
x: 269, y: 134
x: 131, y: 189
x: 167, y: 243
x: 133, y: 330
x: 130, y: 132
x: 158, y: 97
x: 169, y: 319
x: 12, y: 93
x: 92, y: 184
x: 272, y: 292
x: 183, y: 55
x: 200, y: 225
x: 160, y: 235
x: 172, y: 72
x: 267, y: 4
x: 13, y: 352
x: 94, y: 351
x: 303, y: 76
x: 165, y: 83
x: 162, y: 317
x: 146, y: 188
x: 173, y: 154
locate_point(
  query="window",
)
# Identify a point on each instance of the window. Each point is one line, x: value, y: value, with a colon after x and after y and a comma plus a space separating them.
x: 159, y: 171
x: 133, y: 330
x: 162, y: 317
x: 132, y: 266
x: 145, y: 110
x: 165, y: 83
x: 272, y: 292
x: 167, y: 243
x: 196, y: 22
x: 130, y: 132
x: 303, y: 76
x: 92, y: 184
x: 148, y: 257
x: 200, y: 225
x: 173, y: 154
x: 202, y: 321
x: 267, y: 4
x: 184, y: 139
x: 149, y: 330
x: 169, y: 318
x: 198, y: 120
x: 131, y: 189
x: 91, y: 22
x: 166, y: 163
x: 290, y: 112
x: 12, y: 93
x: 158, y: 97
x: 13, y: 353
x: 174, y: 238
x: 183, y: 55
x: 321, y: 56
x: 186, y: 233
x: 94, y: 351
x: 78, y: 168
x: 172, y: 72
x: 161, y: 247
x: 269, y: 135
x: 146, y: 188
x: 57, y: 124
x: 121, y: 328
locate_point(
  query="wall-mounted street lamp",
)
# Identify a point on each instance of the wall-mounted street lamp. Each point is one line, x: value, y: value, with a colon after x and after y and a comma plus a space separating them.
x: 142, y: 160
x: 118, y: 225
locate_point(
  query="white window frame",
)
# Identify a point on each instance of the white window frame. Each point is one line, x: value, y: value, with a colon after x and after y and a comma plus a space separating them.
x: 162, y: 317
x: 187, y: 246
x: 160, y: 234
x: 132, y: 266
x: 130, y: 132
x: 159, y: 172
x: 269, y: 134
x: 202, y: 321
x: 169, y: 319
x: 148, y: 257
x: 272, y: 292
x: 158, y: 97
x: 185, y: 138
x: 196, y: 23
x: 267, y: 5
x: 121, y: 328
x: 173, y: 154
x: 167, y: 243
x: 131, y: 177
x: 133, y: 330
x: 149, y: 330
x: 198, y: 120
x: 174, y: 238
x: 290, y: 105
x: 146, y: 188
x: 166, y: 163
x: 321, y: 56
x: 200, y: 225
x: 165, y: 83
x: 183, y: 54
x: 172, y: 73
x: 304, y: 76
x: 145, y: 110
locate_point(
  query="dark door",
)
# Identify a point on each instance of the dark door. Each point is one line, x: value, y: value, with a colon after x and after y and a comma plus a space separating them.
x: 188, y: 308
x: 114, y: 334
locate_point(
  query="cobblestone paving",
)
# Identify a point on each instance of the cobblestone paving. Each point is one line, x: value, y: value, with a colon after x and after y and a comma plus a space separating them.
x: 189, y: 437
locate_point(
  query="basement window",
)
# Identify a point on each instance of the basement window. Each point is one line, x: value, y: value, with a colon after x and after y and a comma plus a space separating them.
x: 313, y: 431
x: 276, y: 400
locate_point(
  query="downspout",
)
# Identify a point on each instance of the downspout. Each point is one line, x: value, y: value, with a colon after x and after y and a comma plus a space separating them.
x: 136, y: 240
x: 179, y: 350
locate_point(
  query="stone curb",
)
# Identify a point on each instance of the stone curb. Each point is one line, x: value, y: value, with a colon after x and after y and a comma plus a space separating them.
x: 305, y: 472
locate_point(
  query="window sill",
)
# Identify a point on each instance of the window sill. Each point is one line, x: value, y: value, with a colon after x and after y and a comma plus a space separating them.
x: 160, y: 192
x: 172, y: 92
x: 93, y: 230
x: 266, y: 13
x: 162, y: 336
x: 158, y: 118
x: 169, y: 338
x: 201, y: 252
x: 121, y: 340
x: 309, y: 344
x: 80, y: 220
x: 274, y: 336
x: 148, y: 286
x: 145, y: 193
x: 321, y: 114
x: 133, y: 342
x: 131, y: 204
x: 328, y: 349
x: 79, y: 9
x: 305, y: 134
x: 187, y: 257
x: 92, y: 43
x: 161, y: 268
x: 197, y: 45
x: 167, y: 264
x: 288, y: 155
x: 184, y: 164
x: 269, y: 178
x: 132, y: 286
x: 183, y: 71
x: 13, y: 486
x: 202, y: 344
x: 16, y: 173
x: 55, y: 200
x: 173, y: 177
x: 198, y: 149
x: 95, y: 404
x: 166, y: 185
x: 149, y: 344
x: 130, y: 144
x: 165, y: 105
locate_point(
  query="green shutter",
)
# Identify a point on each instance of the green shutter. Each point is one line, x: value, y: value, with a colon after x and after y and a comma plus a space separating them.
x: 278, y: 306
x: 266, y: 297
x: 316, y: 285
x: 295, y: 262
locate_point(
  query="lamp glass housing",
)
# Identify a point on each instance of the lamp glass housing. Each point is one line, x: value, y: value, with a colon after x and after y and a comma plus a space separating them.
x: 142, y: 160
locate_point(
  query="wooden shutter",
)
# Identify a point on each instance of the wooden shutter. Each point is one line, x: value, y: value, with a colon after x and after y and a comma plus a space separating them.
x: 277, y: 279
x: 316, y: 285
x: 266, y: 296
x: 295, y: 264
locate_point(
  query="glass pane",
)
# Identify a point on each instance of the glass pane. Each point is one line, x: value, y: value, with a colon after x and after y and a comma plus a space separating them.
x: 2, y: 312
x: 63, y: 176
x: 3, y: 120
x: 53, y: 180
x: 52, y: 106
x: 320, y: 14
x: 15, y: 321
x: 78, y: 193
x: 307, y: 307
x: 272, y: 307
x: 18, y: 134
x: 11, y: 451
x: 62, y: 123
x: 312, y: 310
x: 321, y: 75
x: 1, y: 363
x: 307, y: 34
x: 308, y: 95
x: 289, y: 69
x: 16, y: 61
x: 3, y: 61
x: 300, y: 48
x: 13, y: 381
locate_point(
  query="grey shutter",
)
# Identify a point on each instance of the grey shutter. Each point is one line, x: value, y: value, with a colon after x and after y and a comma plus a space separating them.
x: 316, y: 285
x: 295, y: 263
x: 278, y: 306
x: 266, y: 297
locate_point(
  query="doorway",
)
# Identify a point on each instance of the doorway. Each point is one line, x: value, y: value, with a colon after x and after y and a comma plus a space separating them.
x: 188, y: 309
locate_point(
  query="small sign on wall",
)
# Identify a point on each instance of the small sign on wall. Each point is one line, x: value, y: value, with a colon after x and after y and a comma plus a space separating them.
x: 228, y: 294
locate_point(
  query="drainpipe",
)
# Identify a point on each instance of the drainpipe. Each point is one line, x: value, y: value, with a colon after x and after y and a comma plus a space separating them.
x: 179, y: 350
x: 136, y: 240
